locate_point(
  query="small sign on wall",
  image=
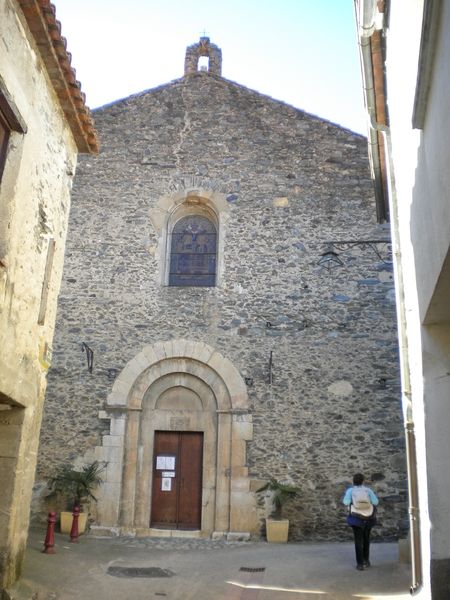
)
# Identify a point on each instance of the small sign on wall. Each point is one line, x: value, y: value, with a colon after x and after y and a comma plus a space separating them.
x: 45, y: 354
x: 166, y: 484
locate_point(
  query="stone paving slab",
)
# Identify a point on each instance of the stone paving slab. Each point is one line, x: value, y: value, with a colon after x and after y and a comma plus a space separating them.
x: 207, y: 570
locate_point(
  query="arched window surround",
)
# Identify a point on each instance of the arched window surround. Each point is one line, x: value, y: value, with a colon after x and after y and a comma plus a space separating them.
x: 183, y: 211
x: 169, y: 209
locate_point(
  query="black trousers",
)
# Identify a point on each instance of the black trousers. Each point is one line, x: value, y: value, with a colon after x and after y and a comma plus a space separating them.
x: 362, y: 542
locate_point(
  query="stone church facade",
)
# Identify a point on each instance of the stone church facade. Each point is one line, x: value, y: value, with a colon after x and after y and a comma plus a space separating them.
x: 202, y: 343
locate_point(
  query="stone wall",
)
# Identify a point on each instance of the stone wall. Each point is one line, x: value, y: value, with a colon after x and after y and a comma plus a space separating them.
x: 318, y: 348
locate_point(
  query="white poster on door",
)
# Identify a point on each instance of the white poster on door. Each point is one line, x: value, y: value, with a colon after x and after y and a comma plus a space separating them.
x: 166, y: 484
x: 165, y: 463
x: 170, y: 463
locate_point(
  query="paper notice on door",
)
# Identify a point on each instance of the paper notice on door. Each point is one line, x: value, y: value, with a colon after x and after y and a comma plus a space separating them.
x: 165, y: 463
x: 166, y: 484
x: 168, y: 474
x: 170, y: 463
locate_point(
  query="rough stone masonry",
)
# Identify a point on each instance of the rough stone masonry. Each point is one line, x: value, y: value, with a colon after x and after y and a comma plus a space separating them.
x: 316, y: 347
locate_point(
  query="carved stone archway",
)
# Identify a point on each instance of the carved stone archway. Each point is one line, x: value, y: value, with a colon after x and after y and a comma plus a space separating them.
x: 180, y: 385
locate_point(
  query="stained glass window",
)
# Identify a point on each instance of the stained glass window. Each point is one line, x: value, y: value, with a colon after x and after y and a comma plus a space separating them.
x: 193, y: 252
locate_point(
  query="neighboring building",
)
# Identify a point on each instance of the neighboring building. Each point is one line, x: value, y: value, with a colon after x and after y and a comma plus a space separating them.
x: 202, y: 343
x: 405, y: 50
x: 43, y: 125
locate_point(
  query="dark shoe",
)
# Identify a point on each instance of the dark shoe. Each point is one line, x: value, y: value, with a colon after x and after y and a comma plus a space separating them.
x: 360, y: 567
x: 366, y: 563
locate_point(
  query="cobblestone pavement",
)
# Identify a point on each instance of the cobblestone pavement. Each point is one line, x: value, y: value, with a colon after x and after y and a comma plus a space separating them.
x: 193, y: 569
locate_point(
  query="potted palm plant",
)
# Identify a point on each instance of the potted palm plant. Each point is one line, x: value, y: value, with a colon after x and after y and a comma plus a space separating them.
x: 76, y: 487
x: 277, y: 528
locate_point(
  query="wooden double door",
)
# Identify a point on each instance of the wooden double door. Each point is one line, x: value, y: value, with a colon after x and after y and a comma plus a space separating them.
x: 177, y: 480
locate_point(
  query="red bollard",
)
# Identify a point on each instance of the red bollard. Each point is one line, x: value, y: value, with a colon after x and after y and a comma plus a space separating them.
x: 50, y: 537
x: 74, y: 530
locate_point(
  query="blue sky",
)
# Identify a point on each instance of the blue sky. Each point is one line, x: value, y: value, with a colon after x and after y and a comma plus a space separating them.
x: 303, y: 52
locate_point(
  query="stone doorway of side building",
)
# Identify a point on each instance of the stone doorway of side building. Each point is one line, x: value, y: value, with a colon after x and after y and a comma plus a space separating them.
x: 177, y: 480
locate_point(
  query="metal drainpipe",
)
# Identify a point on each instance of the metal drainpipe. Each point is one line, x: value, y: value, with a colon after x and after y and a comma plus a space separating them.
x: 366, y: 26
x: 414, y: 515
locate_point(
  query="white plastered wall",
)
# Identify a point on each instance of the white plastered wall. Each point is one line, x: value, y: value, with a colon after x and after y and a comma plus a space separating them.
x: 422, y: 185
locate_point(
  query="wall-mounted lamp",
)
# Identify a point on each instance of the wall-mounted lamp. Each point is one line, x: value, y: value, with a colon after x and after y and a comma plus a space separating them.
x: 330, y: 259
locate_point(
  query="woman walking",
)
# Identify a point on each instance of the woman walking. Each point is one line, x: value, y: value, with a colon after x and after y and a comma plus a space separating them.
x: 361, y: 501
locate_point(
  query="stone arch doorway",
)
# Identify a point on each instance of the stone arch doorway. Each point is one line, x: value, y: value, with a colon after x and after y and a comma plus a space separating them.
x: 177, y: 386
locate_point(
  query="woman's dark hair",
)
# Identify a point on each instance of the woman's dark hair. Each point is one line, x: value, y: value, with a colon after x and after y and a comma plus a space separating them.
x: 358, y: 479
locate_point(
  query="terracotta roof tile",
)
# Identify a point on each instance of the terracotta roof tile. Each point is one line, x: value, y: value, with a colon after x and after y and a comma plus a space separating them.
x: 41, y: 18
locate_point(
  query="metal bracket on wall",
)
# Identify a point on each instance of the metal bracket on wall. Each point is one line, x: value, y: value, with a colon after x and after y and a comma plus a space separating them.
x: 270, y: 367
x: 330, y: 257
x: 89, y: 356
